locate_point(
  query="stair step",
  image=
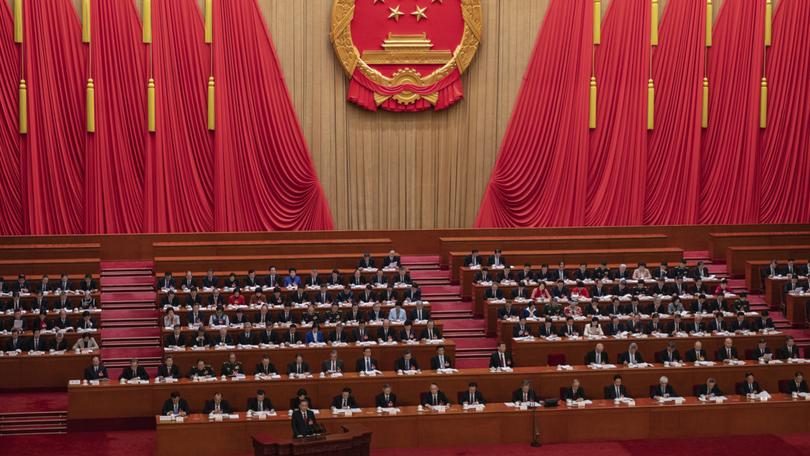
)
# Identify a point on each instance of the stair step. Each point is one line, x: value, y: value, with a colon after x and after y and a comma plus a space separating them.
x: 442, y: 299
x: 145, y: 280
x: 419, y: 259
x: 130, y: 324
x: 433, y: 282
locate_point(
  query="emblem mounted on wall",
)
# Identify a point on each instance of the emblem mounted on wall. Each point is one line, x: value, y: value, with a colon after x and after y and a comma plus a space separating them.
x: 406, y: 55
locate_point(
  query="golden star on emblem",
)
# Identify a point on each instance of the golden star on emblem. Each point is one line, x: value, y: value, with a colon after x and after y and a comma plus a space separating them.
x: 420, y: 13
x: 395, y: 13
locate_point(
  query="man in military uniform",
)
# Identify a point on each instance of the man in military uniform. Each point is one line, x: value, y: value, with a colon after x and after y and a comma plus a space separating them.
x: 232, y: 367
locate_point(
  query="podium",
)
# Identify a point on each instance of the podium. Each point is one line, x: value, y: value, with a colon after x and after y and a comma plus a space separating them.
x: 348, y: 440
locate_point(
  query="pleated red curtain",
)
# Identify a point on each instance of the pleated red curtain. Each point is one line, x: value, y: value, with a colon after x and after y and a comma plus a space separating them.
x: 617, y: 158
x: 180, y: 155
x: 53, y: 166
x: 673, y: 152
x: 545, y: 148
x: 784, y: 180
x: 115, y: 152
x: 729, y: 161
x: 265, y: 178
x: 10, y: 142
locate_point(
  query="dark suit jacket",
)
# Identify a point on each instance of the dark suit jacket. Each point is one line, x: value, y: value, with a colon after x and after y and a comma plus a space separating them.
x: 757, y: 353
x: 744, y: 388
x: 785, y: 352
x: 426, y: 334
x: 590, y: 358
x: 801, y: 388
x: 92, y: 374
x: 469, y: 259
x: 501, y: 259
x: 427, y: 398
x: 665, y: 356
x: 168, y: 406
x: 625, y: 357
x: 722, y: 355
x: 380, y: 401
x: 495, y: 360
x: 171, y: 340
x: 326, y: 366
x: 658, y: 391
x: 425, y: 315
x: 691, y: 355
x: 303, y: 426
x: 610, y: 391
x: 260, y: 369
x: 361, y: 364
x: 703, y: 390
x: 128, y: 374
x: 477, y: 398
x: 164, y: 371
x: 223, y: 405
x: 337, y: 402
x: 517, y: 395
x: 571, y: 395
x: 291, y: 368
x: 247, y: 339
x: 253, y: 404
x: 434, y: 362
x: 400, y: 364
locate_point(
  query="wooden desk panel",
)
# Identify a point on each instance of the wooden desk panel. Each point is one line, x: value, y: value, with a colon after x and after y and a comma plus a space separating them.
x: 796, y: 306
x: 302, y: 262
x: 42, y: 371
x: 499, y: 424
x: 583, y: 241
x: 736, y: 257
x: 613, y: 257
x: 103, y: 401
x: 271, y: 247
x: 720, y: 242
x: 535, y: 353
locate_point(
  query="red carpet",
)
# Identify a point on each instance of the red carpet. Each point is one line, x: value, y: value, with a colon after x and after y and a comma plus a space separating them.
x: 40, y: 401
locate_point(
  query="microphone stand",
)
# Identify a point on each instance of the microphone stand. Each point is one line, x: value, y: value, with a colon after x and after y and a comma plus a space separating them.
x: 535, y: 430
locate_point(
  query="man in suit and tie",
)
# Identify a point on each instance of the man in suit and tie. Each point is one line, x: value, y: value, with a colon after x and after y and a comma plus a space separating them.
x: 260, y: 403
x: 392, y: 260
x: 663, y: 389
x: 521, y: 329
x: 473, y: 259
x: 217, y: 405
x: 345, y: 400
x: 96, y: 371
x: 298, y: 367
x: 789, y: 351
x: 575, y: 392
x: 631, y: 356
x: 525, y: 393
x: 762, y: 351
x: 697, y: 325
x: 727, y: 352
x: 708, y: 389
x: 303, y: 421
x: 366, y: 262
x: 168, y: 369
x: 616, y: 390
x: 420, y: 313
x: 134, y: 372
x: 37, y: 343
x: 246, y: 337
x: 386, y: 399
x: 670, y: 354
x: 434, y: 396
x: 175, y: 405
x: 526, y: 275
x: 497, y: 259
x: 265, y: 367
x: 472, y: 396
x: 597, y: 355
x: 696, y: 353
x: 493, y: 292
x: 676, y: 326
x: 408, y: 333
x: 749, y: 386
x: 615, y: 327
x: 167, y: 282
x: 431, y: 332
x: 386, y: 333
x: 339, y: 335
x: 366, y: 363
x: 798, y: 384
x: 414, y: 294
x: 568, y: 329
x: 440, y: 360
x: 362, y: 334
x: 501, y: 358
x: 333, y: 365
x: 406, y: 363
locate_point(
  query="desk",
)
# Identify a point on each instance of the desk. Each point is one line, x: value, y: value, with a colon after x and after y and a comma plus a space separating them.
x: 506, y: 327
x: 386, y: 355
x: 796, y: 306
x: 490, y: 308
x: 348, y: 440
x: 536, y: 352
x: 774, y: 287
x: 736, y: 257
x: 74, y: 316
x: 42, y: 371
x: 102, y: 401
x: 499, y: 424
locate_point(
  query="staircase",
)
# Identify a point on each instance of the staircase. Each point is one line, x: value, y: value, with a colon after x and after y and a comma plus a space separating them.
x: 33, y: 423
x: 130, y: 319
x: 472, y: 346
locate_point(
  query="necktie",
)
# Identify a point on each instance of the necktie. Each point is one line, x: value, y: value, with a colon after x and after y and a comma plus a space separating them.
x: 261, y: 405
x: 503, y: 360
x: 598, y: 358
x: 386, y: 400
x: 344, y: 403
x: 441, y: 361
x: 176, y: 409
x: 333, y: 367
x: 217, y: 409
x: 368, y: 364
x: 435, y: 400
x: 407, y: 364
x: 472, y: 398
x: 632, y: 358
x: 618, y: 392
x: 525, y: 397
x: 728, y: 352
x: 298, y: 368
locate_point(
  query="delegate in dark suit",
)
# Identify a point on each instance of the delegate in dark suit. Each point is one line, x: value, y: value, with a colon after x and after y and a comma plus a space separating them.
x: 338, y: 402
x: 224, y: 407
x: 382, y: 401
x: 571, y: 395
x: 519, y: 396
x: 303, y: 423
x: 168, y: 407
x: 166, y: 371
x: 610, y: 391
x: 703, y: 390
x: 253, y: 404
x: 663, y: 391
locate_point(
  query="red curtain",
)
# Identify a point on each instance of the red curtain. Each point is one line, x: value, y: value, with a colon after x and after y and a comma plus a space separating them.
x: 53, y: 165
x: 673, y: 153
x: 265, y: 178
x: 545, y: 161
x: 10, y: 192
x: 617, y: 158
x: 785, y: 153
x: 179, y: 171
x: 729, y: 187
x: 115, y: 152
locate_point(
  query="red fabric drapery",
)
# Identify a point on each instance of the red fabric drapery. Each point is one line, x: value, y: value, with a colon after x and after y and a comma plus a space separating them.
x: 673, y: 153
x: 265, y: 178
x: 10, y: 192
x: 362, y: 89
x: 535, y: 181
x: 179, y: 171
x: 785, y: 153
x: 617, y: 158
x: 729, y: 165
x: 115, y: 152
x: 53, y: 165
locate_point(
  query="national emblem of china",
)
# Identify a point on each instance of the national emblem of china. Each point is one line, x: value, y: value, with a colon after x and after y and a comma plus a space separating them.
x: 405, y: 55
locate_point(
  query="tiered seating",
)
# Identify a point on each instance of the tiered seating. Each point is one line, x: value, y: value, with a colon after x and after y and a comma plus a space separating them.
x: 736, y: 257
x: 303, y: 262
x: 274, y: 247
x: 720, y: 242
